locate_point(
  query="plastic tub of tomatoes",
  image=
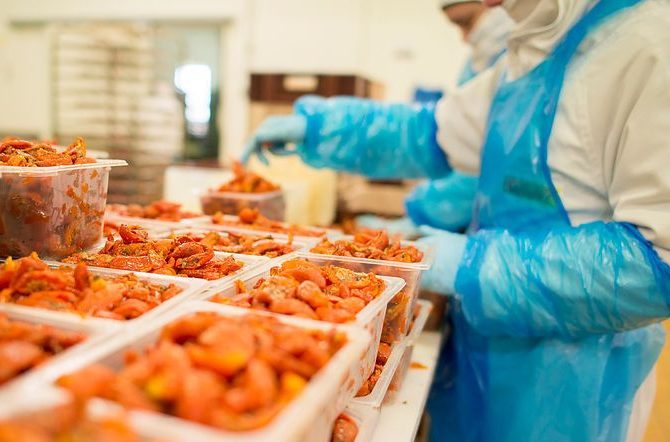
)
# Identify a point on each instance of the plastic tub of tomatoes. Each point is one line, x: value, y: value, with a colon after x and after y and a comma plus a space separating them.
x: 251, y: 220
x: 52, y: 199
x: 374, y: 251
x: 247, y: 190
x: 157, y: 216
x: 210, y: 373
x: 85, y: 297
x: 175, y: 258
x: 316, y: 288
x: 244, y: 243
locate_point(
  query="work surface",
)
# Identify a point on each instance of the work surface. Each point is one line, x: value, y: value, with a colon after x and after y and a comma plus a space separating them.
x: 400, y: 421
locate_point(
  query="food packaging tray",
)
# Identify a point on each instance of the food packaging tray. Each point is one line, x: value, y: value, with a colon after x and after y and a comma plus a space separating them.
x: 371, y: 318
x: 299, y: 244
x: 190, y: 288
x: 95, y: 335
x: 308, y: 417
x: 327, y: 233
x: 406, y: 361
x: 410, y: 272
x: 250, y: 263
x: 376, y: 397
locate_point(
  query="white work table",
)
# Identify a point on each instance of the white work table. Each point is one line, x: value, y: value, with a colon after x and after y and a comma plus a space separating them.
x: 400, y: 420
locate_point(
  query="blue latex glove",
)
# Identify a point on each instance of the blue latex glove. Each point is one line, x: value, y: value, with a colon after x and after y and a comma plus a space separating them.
x: 274, y: 133
x: 448, y: 249
x: 444, y: 203
x: 401, y: 226
x: 370, y: 138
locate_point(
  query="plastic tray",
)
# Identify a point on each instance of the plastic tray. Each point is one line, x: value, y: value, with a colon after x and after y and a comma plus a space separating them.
x: 327, y: 233
x: 410, y: 272
x: 269, y: 204
x: 376, y: 396
x: 54, y: 211
x: 299, y: 245
x: 190, y: 287
x: 308, y: 417
x: 95, y: 336
x: 420, y: 319
x: 155, y: 225
x: 250, y: 263
x: 371, y: 318
x: 366, y: 419
x: 406, y: 361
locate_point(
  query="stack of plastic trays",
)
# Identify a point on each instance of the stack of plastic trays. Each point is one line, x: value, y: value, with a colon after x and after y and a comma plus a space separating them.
x: 397, y: 365
x: 424, y: 309
x: 54, y: 211
x: 308, y: 417
x: 371, y: 318
x: 398, y: 326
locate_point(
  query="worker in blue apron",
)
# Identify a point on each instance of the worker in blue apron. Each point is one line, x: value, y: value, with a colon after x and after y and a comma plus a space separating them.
x: 570, y: 379
x: 555, y: 325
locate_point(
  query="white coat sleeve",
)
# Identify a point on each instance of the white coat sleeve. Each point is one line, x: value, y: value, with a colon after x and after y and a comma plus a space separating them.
x: 635, y: 133
x: 461, y: 120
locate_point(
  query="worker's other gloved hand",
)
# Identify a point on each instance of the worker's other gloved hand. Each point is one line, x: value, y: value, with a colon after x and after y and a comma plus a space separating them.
x: 402, y: 226
x: 448, y: 250
x: 274, y: 133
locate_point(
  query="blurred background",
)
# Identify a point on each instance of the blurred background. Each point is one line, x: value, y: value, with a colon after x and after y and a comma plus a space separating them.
x: 175, y: 87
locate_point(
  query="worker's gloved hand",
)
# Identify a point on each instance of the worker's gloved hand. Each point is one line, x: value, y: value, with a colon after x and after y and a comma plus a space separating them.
x: 274, y: 133
x: 401, y: 226
x: 448, y: 250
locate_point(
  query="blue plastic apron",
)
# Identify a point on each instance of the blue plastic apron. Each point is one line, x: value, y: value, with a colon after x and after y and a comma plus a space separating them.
x: 511, y: 389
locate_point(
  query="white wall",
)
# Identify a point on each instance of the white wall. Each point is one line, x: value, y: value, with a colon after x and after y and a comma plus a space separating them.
x: 399, y: 43
x: 411, y: 44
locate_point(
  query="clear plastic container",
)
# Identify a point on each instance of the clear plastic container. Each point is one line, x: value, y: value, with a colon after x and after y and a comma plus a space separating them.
x: 371, y: 318
x: 298, y: 245
x: 308, y: 417
x: 189, y: 286
x: 153, y: 224
x: 54, y: 211
x: 250, y: 263
x: 410, y: 272
x: 365, y: 418
x: 269, y: 204
x: 424, y: 309
x: 376, y: 396
x: 233, y: 223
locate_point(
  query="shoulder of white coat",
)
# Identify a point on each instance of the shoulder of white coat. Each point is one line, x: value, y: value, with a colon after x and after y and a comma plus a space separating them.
x: 645, y: 29
x: 461, y: 120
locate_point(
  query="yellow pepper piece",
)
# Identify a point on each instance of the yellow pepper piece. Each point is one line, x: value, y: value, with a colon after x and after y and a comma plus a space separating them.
x: 292, y: 384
